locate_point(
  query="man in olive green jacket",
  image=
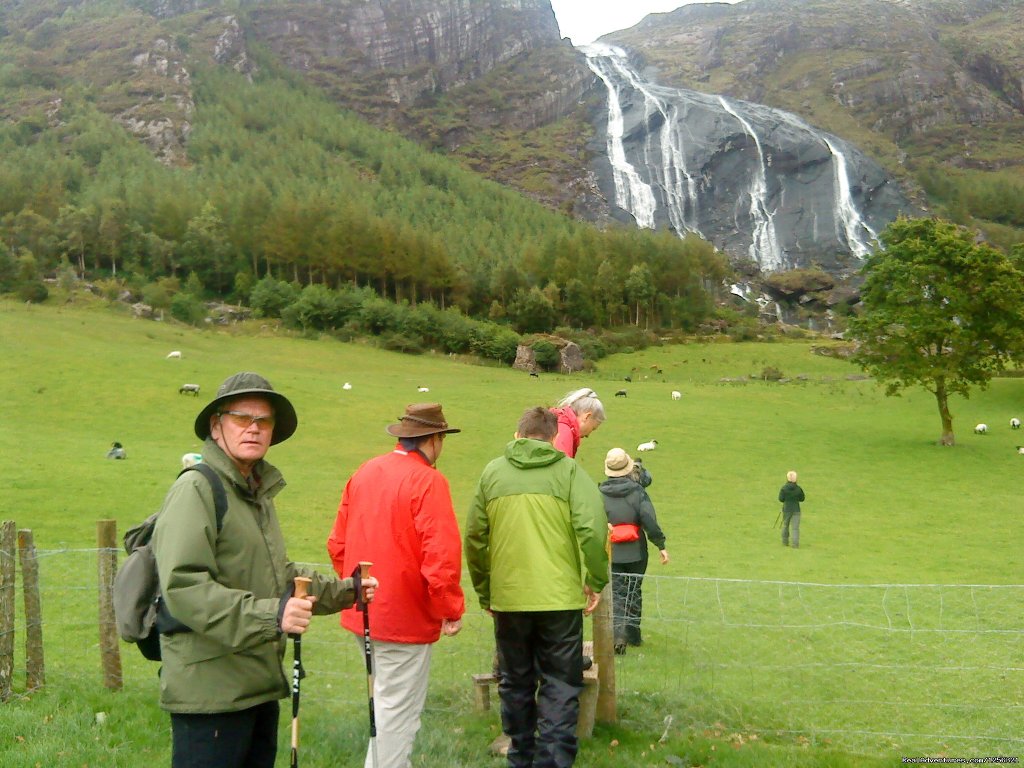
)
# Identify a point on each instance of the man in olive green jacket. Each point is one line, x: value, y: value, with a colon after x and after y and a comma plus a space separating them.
x: 222, y: 677
x: 536, y: 523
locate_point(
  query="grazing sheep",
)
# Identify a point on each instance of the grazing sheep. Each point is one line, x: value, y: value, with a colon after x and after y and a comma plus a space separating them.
x: 628, y: 378
x: 176, y: 354
x: 981, y: 429
x: 190, y: 460
x: 1020, y: 449
x: 346, y: 386
x: 621, y: 393
x: 116, y: 451
x: 1014, y: 423
x: 422, y: 389
x: 648, y: 446
x: 534, y: 374
x: 676, y: 394
x: 191, y: 389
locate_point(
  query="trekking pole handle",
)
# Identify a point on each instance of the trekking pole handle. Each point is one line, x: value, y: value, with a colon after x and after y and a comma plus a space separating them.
x: 302, y: 584
x: 364, y: 573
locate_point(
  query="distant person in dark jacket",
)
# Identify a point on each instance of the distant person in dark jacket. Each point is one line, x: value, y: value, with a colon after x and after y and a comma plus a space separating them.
x: 791, y: 495
x: 631, y: 520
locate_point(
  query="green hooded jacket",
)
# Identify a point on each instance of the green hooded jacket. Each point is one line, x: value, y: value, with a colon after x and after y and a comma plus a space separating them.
x: 227, y: 588
x: 536, y: 521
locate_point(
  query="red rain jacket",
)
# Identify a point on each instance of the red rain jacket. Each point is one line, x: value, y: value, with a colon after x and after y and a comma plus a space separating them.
x: 568, y: 439
x: 396, y: 512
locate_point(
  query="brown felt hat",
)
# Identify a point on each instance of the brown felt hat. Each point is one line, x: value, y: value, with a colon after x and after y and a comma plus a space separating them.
x: 420, y: 420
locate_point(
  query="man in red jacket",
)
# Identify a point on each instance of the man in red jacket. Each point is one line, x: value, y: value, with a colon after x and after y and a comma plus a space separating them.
x: 396, y: 512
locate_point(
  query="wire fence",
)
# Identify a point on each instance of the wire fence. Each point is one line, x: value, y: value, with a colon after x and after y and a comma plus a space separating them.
x: 858, y: 667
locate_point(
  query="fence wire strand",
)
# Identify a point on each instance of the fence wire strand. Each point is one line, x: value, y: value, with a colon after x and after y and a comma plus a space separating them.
x: 859, y: 666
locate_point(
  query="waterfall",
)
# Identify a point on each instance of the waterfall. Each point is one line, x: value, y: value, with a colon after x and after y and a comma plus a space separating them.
x: 664, y: 153
x: 632, y: 193
x: 847, y: 214
x: 755, y: 181
x: 764, y: 247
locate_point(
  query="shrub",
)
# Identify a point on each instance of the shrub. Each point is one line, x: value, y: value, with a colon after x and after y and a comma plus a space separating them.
x: 399, y: 342
x: 546, y: 354
x: 188, y: 309
x: 316, y: 309
x: 33, y: 291
x: 495, y: 341
x: 378, y: 316
x: 456, y: 331
x: 159, y: 294
x: 269, y: 297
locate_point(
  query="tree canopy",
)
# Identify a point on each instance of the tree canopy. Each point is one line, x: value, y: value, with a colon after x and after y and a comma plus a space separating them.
x: 941, y: 311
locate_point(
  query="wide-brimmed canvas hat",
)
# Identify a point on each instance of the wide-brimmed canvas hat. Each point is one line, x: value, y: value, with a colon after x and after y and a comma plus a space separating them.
x: 248, y: 383
x: 420, y: 420
x: 617, y: 463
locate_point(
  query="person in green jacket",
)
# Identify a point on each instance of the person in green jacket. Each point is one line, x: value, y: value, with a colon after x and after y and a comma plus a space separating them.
x: 791, y: 495
x: 233, y: 590
x: 535, y: 525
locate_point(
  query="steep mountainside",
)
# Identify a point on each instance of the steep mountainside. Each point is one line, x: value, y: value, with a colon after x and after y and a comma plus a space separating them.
x: 932, y: 90
x: 908, y: 81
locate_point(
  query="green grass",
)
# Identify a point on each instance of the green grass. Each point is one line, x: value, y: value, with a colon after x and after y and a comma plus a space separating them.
x: 750, y: 672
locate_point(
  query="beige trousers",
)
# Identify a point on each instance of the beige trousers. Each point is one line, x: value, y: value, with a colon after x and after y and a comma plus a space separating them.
x: 401, y: 673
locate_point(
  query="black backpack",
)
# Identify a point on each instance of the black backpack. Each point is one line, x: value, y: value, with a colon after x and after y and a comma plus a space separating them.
x: 139, y: 610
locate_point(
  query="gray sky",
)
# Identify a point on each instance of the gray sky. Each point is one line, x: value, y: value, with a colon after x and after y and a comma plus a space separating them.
x: 586, y: 20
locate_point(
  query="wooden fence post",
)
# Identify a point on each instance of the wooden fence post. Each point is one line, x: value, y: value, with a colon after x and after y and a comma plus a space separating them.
x: 106, y: 541
x: 35, y: 669
x: 7, y: 544
x: 604, y: 655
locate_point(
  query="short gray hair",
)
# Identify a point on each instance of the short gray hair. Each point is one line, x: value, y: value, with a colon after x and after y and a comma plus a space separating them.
x: 584, y: 401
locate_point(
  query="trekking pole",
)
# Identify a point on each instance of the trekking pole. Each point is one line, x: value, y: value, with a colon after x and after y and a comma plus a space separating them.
x: 361, y: 572
x: 778, y: 517
x: 301, y: 590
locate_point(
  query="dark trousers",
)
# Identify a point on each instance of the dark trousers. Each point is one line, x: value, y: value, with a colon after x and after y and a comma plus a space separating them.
x: 544, y: 647
x: 791, y: 520
x: 246, y: 739
x: 627, y: 601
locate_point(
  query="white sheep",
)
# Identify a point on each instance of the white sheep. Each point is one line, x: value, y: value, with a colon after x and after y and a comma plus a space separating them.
x: 981, y: 429
x: 648, y: 446
x: 346, y: 386
x: 1020, y: 449
x: 176, y: 354
x: 189, y: 389
x: 422, y: 389
x: 1014, y: 423
x: 676, y: 394
x: 190, y: 460
x: 117, y: 451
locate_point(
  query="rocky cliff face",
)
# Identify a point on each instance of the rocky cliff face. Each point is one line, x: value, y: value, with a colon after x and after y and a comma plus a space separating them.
x: 901, y: 69
x: 413, y: 48
x: 759, y: 183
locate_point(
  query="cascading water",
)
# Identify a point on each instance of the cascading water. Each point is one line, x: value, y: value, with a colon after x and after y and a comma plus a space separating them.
x: 663, y: 153
x: 631, y: 192
x: 847, y: 214
x: 764, y: 246
x: 756, y: 182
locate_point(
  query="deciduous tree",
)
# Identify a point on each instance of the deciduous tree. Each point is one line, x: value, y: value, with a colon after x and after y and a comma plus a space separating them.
x: 941, y: 311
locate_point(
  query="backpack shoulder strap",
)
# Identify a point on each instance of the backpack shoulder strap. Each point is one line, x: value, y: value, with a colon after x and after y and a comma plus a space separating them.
x: 220, y: 496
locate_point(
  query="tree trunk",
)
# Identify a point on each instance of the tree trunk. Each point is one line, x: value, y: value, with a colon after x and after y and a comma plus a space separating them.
x: 942, y: 398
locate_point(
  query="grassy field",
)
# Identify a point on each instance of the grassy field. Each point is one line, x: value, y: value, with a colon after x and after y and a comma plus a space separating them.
x: 885, y: 506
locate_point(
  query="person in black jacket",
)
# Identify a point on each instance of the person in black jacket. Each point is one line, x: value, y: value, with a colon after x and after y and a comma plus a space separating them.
x: 632, y: 521
x: 791, y: 495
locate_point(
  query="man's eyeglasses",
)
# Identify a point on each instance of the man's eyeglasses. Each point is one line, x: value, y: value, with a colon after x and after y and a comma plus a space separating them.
x: 244, y: 420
